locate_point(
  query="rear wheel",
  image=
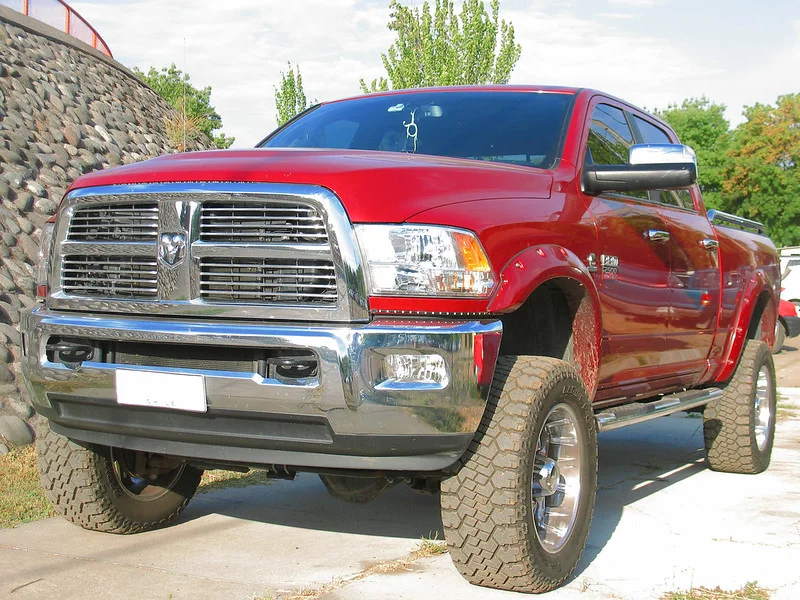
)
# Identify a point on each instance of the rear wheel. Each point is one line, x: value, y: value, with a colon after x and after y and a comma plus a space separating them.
x: 739, y: 427
x: 780, y: 337
x: 110, y: 489
x: 516, y: 515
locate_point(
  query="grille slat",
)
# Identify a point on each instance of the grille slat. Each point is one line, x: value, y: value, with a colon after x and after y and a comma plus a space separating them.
x: 265, y: 222
x: 134, y: 222
x: 128, y: 277
x: 296, y: 281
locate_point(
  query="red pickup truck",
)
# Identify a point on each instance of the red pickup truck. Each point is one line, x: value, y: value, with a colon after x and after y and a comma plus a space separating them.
x: 455, y: 288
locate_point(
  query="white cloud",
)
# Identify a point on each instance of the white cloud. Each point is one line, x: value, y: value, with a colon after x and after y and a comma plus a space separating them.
x: 239, y: 49
x: 634, y: 3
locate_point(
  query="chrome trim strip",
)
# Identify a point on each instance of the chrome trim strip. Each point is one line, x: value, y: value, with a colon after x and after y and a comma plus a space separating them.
x: 630, y: 414
x: 717, y: 217
x: 182, y: 282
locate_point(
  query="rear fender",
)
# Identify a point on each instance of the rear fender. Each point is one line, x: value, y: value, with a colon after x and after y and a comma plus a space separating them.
x: 759, y: 286
x: 534, y: 266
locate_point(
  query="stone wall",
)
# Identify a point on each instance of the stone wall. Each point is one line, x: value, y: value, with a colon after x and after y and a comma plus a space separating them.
x: 65, y: 110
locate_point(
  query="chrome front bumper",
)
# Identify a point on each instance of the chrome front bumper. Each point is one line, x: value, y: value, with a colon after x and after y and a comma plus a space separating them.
x: 346, y: 417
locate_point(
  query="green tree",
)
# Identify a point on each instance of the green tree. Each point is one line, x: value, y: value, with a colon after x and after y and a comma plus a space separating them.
x: 762, y: 178
x: 441, y: 48
x: 702, y: 125
x: 290, y: 99
x: 171, y: 83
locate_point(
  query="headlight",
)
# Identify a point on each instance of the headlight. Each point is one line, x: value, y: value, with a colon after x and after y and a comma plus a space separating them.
x: 422, y: 260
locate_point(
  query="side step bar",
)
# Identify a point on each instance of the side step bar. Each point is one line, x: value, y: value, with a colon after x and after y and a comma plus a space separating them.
x: 630, y: 414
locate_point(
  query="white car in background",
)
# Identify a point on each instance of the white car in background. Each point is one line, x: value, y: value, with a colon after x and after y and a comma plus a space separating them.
x: 790, y: 270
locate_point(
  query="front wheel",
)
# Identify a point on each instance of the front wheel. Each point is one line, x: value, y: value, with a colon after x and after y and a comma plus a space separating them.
x: 110, y: 489
x: 516, y: 514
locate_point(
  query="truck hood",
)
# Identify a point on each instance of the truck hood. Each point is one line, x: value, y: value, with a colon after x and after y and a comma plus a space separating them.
x: 373, y: 186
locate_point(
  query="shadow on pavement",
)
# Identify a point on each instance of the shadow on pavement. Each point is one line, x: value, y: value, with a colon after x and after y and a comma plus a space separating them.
x: 634, y: 463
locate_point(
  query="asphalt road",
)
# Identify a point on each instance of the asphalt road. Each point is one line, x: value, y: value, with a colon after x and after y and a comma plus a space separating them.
x: 663, y: 522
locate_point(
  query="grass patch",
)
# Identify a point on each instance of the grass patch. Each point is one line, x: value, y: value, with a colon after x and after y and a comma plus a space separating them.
x: 22, y: 499
x: 219, y: 479
x: 430, y: 546
x: 786, y: 408
x: 750, y: 591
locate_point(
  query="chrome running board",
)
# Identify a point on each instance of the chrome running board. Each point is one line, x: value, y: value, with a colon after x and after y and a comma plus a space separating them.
x: 630, y: 414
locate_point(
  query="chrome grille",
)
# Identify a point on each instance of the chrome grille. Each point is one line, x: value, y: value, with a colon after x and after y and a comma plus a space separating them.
x: 128, y: 277
x: 130, y: 222
x: 227, y: 249
x: 268, y: 280
x: 261, y: 222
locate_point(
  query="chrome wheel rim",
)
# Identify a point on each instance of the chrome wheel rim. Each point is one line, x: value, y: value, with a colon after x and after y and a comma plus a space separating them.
x: 762, y: 409
x: 556, y: 478
x: 142, y: 489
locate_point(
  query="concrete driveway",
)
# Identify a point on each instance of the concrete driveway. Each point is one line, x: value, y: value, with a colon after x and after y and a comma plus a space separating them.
x: 663, y: 522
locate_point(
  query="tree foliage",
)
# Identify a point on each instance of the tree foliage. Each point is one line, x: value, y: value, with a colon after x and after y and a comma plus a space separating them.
x: 752, y: 171
x: 762, y: 177
x: 702, y: 125
x: 290, y: 98
x: 442, y: 48
x: 171, y: 83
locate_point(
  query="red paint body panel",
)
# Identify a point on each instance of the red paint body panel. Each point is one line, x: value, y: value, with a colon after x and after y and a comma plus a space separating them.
x: 386, y: 187
x: 667, y: 316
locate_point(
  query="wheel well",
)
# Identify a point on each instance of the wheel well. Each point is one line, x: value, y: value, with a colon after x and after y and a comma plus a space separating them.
x: 755, y: 329
x: 557, y: 320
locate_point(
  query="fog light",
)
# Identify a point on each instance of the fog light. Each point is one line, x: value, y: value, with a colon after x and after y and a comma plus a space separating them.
x: 414, y: 371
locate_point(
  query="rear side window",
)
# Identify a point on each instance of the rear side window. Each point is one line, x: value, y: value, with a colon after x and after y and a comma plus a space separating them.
x: 651, y: 134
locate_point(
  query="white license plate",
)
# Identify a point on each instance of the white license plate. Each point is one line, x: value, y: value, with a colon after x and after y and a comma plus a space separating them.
x: 163, y: 390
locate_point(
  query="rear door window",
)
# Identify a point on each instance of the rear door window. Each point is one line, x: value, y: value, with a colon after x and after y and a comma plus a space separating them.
x: 652, y: 134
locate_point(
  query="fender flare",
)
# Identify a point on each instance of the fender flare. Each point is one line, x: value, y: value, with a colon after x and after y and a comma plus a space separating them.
x: 534, y: 266
x: 758, y: 284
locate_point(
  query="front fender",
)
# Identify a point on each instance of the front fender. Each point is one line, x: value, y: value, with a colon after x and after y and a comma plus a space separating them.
x: 539, y: 264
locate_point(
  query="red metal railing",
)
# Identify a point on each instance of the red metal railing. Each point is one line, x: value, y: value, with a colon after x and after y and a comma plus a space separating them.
x: 60, y: 15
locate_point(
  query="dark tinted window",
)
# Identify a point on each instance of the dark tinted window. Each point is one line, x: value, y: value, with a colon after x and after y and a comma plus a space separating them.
x: 513, y: 127
x: 610, y: 140
x: 651, y: 134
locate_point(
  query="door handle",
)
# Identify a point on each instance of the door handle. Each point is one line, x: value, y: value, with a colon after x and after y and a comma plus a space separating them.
x: 710, y: 244
x: 656, y: 235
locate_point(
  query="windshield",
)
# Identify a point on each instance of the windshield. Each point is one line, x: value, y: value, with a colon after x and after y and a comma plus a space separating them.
x: 521, y: 128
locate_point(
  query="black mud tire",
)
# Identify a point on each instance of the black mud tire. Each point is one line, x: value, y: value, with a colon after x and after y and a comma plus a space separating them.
x: 82, y: 483
x: 487, y: 510
x: 739, y: 427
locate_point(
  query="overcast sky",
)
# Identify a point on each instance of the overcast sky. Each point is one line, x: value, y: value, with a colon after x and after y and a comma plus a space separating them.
x: 649, y: 52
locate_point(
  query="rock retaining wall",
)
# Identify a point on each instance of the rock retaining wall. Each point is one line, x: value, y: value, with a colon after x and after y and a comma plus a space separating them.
x: 65, y: 110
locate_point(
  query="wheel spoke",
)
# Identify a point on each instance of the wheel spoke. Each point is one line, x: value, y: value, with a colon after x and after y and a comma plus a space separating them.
x: 556, y: 480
